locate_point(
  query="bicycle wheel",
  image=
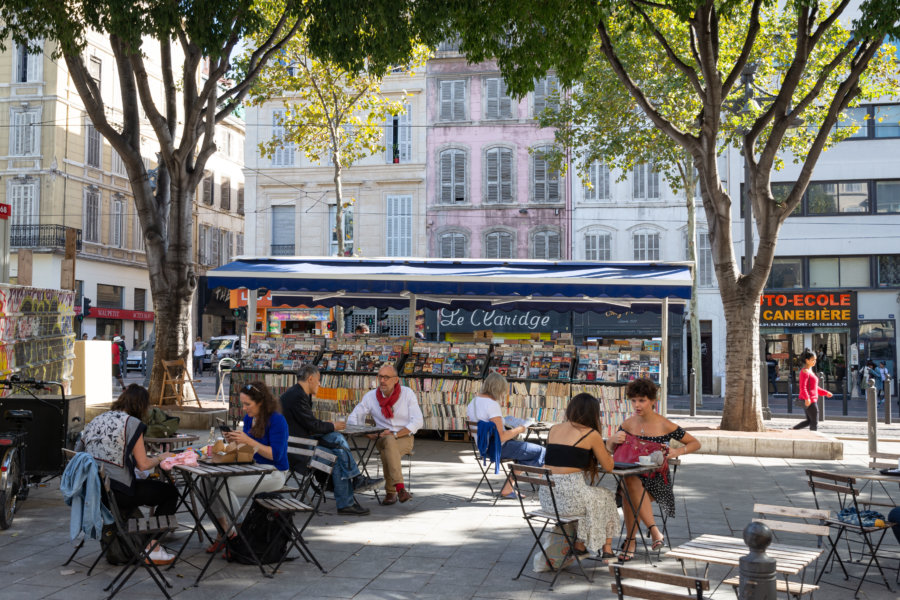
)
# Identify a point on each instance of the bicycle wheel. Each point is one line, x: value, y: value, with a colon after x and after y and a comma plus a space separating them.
x: 8, y: 495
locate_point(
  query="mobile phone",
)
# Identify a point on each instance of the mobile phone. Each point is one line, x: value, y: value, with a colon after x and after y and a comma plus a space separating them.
x: 225, y: 428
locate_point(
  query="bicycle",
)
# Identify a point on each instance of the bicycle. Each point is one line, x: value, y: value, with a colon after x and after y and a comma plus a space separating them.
x: 14, y: 477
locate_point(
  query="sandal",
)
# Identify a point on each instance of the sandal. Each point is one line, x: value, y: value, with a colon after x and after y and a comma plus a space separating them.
x: 217, y: 545
x: 627, y: 555
x: 657, y: 543
x: 606, y: 557
x: 513, y: 496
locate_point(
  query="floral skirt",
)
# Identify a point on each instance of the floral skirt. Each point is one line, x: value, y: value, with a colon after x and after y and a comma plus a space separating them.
x: 596, y: 506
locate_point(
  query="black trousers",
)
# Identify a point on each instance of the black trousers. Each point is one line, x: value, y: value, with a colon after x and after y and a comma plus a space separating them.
x: 812, y: 418
x: 161, y: 495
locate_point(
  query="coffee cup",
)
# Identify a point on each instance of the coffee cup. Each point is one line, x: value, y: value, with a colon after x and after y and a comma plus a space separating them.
x: 645, y: 460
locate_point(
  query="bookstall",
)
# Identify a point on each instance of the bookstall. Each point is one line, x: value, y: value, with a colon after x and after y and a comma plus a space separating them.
x: 543, y: 376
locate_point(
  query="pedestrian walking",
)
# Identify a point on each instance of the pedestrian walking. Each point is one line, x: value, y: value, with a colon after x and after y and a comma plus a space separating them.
x: 199, y: 355
x: 882, y: 377
x: 810, y: 391
x: 116, y: 362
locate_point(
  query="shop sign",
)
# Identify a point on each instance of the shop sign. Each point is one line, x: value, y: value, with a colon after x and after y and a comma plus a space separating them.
x: 238, y: 298
x: 118, y: 313
x: 5, y: 211
x: 449, y: 319
x: 808, y: 309
x: 302, y: 314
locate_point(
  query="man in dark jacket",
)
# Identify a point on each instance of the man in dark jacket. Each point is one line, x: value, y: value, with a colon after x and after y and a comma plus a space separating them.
x: 296, y: 405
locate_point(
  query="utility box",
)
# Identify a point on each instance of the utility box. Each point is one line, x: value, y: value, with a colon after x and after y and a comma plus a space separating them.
x: 57, y: 423
x: 92, y: 375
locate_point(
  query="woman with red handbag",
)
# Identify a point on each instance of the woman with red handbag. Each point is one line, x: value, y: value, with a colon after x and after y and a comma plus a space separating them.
x: 643, y: 434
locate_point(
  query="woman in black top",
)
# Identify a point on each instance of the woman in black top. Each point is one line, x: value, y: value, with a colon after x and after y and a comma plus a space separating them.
x: 574, y: 449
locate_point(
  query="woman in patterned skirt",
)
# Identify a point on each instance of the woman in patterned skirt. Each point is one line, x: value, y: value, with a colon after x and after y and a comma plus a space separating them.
x: 647, y: 425
x: 574, y: 450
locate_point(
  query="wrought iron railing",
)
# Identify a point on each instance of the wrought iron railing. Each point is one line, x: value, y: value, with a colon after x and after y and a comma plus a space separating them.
x: 41, y: 236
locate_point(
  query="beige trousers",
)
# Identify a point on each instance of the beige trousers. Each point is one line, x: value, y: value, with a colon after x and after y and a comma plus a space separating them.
x: 392, y: 450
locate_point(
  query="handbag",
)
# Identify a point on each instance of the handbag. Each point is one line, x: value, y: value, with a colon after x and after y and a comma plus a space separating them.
x: 634, y: 447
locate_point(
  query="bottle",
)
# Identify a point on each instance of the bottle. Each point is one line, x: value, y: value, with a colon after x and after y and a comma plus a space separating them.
x: 211, y: 441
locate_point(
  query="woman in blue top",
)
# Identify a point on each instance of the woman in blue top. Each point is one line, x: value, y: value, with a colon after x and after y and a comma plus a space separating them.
x: 266, y: 430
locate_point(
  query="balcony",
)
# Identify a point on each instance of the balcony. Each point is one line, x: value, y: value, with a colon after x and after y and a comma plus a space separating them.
x: 41, y: 236
x: 282, y: 249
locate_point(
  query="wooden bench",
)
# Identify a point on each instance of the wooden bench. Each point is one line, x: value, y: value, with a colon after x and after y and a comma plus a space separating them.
x: 629, y: 590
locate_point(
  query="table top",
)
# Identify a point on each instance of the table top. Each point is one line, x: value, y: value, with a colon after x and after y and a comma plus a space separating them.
x: 225, y: 469
x: 186, y: 438
x: 361, y: 429
x: 635, y: 470
x: 872, y: 475
x: 721, y: 550
x: 540, y: 426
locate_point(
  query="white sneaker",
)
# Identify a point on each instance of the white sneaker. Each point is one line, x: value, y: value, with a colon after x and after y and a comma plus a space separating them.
x: 160, y: 557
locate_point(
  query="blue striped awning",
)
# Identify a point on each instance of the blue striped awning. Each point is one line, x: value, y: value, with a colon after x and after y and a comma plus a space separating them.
x: 462, y: 282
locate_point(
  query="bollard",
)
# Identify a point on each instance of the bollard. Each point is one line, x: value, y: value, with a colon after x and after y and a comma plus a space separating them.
x: 844, y: 395
x: 757, y: 570
x: 887, y: 399
x: 692, y: 392
x: 872, y: 416
x: 820, y: 402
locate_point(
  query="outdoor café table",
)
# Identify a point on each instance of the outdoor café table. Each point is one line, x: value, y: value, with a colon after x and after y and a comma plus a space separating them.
x: 363, y: 451
x: 176, y: 443
x: 728, y: 551
x: 206, y: 480
x: 873, y: 476
x: 619, y: 473
x: 540, y: 431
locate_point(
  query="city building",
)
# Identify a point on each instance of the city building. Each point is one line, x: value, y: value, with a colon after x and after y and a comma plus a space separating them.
x: 58, y: 172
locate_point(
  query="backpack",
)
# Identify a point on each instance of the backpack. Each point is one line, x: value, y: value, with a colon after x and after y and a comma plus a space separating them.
x: 263, y: 534
x: 159, y: 424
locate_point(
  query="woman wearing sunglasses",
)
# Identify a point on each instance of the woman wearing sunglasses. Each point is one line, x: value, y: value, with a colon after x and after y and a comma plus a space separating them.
x: 266, y: 430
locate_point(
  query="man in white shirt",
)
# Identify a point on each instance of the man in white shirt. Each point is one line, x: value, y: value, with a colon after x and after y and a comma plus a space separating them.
x: 199, y: 355
x: 395, y: 409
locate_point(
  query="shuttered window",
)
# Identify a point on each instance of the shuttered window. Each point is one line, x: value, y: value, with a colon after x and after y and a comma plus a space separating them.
x: 117, y: 223
x: 546, y: 95
x: 398, y: 137
x: 646, y: 245
x: 452, y: 245
x: 498, y: 174
x: 28, y: 64
x: 499, y: 244
x: 23, y: 198
x: 203, y: 244
x: 240, y: 199
x: 207, y: 193
x: 497, y: 104
x: 118, y: 165
x: 140, y: 299
x: 546, y: 245
x: 645, y: 182
x: 91, y: 216
x: 138, y: 238
x: 284, y: 154
x: 25, y: 129
x: 598, y: 176
x: 94, y: 151
x: 283, y: 226
x: 598, y: 246
x: 453, y: 100
x: 213, y: 256
x: 398, y: 234
x: 238, y: 244
x: 453, y: 177
x: 545, y: 179
x: 706, y: 273
x: 225, y: 201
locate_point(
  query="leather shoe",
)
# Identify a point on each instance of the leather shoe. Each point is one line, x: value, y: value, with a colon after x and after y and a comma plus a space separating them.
x: 354, y: 509
x: 389, y: 498
x: 403, y: 495
x: 361, y: 483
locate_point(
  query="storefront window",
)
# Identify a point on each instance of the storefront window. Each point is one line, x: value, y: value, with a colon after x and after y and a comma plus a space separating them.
x: 887, y: 196
x: 889, y: 271
x: 786, y: 273
x: 878, y: 342
x: 109, y: 296
x: 835, y: 272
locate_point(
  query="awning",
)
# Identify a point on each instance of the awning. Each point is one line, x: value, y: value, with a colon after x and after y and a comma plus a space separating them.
x: 469, y: 283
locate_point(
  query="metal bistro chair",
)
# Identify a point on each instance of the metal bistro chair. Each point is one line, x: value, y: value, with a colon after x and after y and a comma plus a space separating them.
x: 300, y: 452
x: 485, y: 468
x: 538, y: 520
x: 629, y: 590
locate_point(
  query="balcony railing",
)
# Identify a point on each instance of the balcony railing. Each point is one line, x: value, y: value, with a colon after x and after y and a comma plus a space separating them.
x: 41, y: 236
x: 282, y: 249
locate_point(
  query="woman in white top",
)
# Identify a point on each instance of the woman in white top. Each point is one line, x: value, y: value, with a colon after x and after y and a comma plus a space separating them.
x: 485, y: 407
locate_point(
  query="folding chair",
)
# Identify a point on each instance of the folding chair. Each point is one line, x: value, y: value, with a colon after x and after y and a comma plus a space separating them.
x: 791, y: 588
x: 538, y: 520
x: 135, y: 533
x: 300, y: 452
x: 485, y: 468
x: 629, y: 590
x: 282, y: 510
x: 847, y: 493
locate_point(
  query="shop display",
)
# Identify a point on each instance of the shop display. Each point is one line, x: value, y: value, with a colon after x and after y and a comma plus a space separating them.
x: 37, y: 338
x: 361, y: 355
x: 284, y: 353
x: 444, y: 401
x: 623, y: 361
x: 436, y: 358
x: 547, y: 361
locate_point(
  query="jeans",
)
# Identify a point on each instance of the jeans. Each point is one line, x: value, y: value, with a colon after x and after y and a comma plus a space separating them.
x: 524, y: 453
x: 345, y: 468
x: 894, y: 517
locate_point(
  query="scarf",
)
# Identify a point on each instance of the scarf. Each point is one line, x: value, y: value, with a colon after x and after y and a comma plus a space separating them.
x: 387, y: 403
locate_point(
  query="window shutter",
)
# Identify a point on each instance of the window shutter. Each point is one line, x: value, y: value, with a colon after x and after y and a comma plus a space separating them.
x: 208, y: 190
x: 492, y: 98
x: 283, y: 225
x: 459, y: 177
x: 638, y: 189
x: 446, y: 113
x: 213, y: 246
x: 552, y: 183
x: 602, y: 181
x: 506, y: 185
x: 459, y: 100
x: 225, y: 193
x: 493, y: 245
x: 504, y: 101
x: 284, y: 154
x: 446, y: 246
x: 23, y: 203
x: 540, y: 178
x: 506, y: 245
x: 114, y: 222
x: 406, y: 226
x: 389, y: 139
x: 653, y: 246
x: 240, y: 199
x: 540, y: 97
x: 239, y: 244
x: 405, y: 134
x: 492, y: 173
x: 34, y: 66
x: 652, y: 181
x: 590, y: 247
x: 590, y: 191
x: 201, y: 245
x: 391, y: 223
x: 447, y: 177
x: 604, y: 247
x: 553, y: 246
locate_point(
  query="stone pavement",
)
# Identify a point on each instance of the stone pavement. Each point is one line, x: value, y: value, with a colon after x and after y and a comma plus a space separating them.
x: 436, y: 545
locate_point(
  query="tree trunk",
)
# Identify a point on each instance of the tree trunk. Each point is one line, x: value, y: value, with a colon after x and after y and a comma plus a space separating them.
x: 741, y: 410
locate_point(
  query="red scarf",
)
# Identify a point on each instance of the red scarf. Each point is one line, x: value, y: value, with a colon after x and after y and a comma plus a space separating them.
x: 387, y: 404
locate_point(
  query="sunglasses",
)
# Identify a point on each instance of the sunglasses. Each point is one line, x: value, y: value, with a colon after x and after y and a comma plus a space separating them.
x: 249, y: 388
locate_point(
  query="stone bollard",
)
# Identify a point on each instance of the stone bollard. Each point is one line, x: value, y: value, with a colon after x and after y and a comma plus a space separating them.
x: 757, y: 570
x: 887, y: 399
x: 872, y: 416
x: 820, y: 403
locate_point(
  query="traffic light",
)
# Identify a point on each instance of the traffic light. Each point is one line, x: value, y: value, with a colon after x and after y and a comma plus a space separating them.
x: 85, y: 307
x: 239, y: 313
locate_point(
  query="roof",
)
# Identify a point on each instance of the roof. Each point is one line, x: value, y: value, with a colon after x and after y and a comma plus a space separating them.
x: 468, y: 283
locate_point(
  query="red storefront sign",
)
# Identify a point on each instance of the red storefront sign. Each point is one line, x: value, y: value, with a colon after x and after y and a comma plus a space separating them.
x: 119, y: 313
x: 5, y: 211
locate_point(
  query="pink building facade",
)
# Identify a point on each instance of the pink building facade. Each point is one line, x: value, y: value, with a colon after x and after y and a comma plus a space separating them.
x: 490, y: 192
